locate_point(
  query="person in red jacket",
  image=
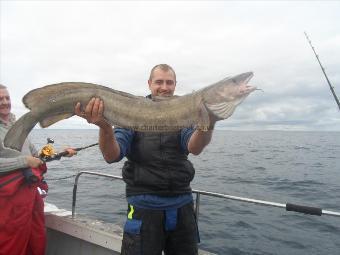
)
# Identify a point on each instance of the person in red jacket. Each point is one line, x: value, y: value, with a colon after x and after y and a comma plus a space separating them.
x: 22, y: 224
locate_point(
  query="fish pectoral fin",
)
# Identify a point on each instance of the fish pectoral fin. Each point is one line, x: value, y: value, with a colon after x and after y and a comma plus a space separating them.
x: 222, y: 110
x: 54, y: 119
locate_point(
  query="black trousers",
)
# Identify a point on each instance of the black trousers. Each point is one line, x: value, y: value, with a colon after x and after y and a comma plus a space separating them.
x: 145, y: 234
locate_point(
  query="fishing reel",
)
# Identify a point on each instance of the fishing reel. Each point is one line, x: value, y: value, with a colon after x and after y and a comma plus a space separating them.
x: 47, y: 152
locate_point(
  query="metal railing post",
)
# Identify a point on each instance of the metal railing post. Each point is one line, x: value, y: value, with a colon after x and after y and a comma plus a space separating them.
x: 197, y: 206
x: 75, y: 186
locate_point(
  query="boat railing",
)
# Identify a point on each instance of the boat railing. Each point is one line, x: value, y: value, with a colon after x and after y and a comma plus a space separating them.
x: 288, y: 206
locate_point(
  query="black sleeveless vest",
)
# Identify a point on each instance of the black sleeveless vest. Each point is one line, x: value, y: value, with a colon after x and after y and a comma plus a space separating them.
x: 156, y: 165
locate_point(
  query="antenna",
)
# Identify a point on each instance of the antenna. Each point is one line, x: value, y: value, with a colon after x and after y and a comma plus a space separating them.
x: 323, y: 70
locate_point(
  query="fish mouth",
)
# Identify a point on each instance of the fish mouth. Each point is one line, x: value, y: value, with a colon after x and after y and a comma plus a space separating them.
x: 250, y: 75
x: 243, y: 78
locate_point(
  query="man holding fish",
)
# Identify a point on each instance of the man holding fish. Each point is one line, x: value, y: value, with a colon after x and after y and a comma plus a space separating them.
x: 157, y: 172
x: 22, y: 225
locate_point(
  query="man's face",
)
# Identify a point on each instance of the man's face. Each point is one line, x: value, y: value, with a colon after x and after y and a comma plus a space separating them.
x: 162, y: 83
x: 5, y: 103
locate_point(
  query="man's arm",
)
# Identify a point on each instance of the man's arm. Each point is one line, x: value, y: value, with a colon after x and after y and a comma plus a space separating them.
x: 201, y: 138
x: 198, y: 140
x: 107, y: 142
x: 11, y: 160
x: 11, y: 164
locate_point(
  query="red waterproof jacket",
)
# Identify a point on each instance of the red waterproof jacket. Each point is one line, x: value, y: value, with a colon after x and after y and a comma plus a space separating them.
x: 22, y: 223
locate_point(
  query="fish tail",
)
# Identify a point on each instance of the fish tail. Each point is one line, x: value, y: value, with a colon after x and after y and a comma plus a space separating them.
x: 18, y: 133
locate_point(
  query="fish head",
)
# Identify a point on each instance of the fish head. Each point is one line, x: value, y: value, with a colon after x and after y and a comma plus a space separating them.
x: 222, y: 97
x: 233, y: 88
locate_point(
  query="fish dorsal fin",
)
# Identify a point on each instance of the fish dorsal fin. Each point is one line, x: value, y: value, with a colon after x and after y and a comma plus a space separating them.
x: 54, y: 119
x: 38, y: 96
x: 161, y: 98
x: 41, y: 95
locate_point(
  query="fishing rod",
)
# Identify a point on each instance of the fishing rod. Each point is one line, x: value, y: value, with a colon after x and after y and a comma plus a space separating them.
x: 47, y: 153
x: 324, y: 72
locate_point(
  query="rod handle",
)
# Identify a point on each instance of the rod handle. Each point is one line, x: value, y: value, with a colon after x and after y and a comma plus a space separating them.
x: 62, y: 154
x: 304, y: 209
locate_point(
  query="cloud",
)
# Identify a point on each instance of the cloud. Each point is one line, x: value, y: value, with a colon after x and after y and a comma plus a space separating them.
x: 116, y: 44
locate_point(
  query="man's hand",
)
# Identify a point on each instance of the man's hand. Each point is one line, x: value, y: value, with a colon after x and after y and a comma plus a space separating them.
x: 93, y: 112
x: 33, y: 161
x: 70, y: 152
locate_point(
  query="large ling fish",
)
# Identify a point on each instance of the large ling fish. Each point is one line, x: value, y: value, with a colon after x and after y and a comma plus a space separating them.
x: 56, y: 102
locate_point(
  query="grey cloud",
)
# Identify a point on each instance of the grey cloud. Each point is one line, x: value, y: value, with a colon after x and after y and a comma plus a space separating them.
x: 115, y: 44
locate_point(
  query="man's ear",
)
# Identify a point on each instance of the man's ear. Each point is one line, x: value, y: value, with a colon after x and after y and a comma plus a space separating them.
x: 149, y: 82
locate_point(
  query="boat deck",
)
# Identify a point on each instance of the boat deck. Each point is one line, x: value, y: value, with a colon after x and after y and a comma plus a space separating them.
x: 82, y: 235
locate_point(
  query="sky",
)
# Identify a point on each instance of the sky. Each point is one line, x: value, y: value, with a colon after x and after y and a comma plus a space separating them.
x: 116, y: 43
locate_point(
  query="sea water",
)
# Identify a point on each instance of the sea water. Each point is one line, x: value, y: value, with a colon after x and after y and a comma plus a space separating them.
x: 277, y: 166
